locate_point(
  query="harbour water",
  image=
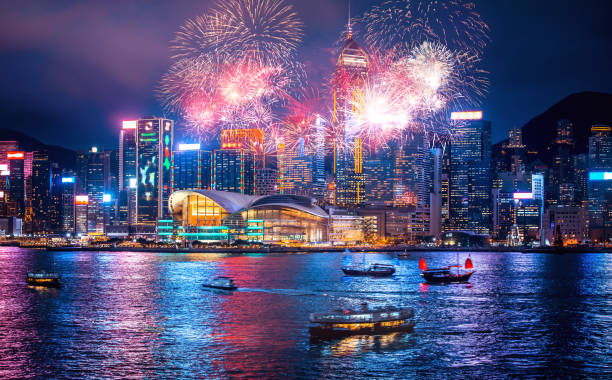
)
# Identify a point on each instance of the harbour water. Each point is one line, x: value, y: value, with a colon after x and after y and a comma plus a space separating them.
x: 139, y: 314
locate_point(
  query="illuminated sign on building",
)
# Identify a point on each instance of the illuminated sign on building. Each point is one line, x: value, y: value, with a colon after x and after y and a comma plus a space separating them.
x: 189, y: 147
x: 1, y: 194
x: 15, y: 155
x: 470, y: 115
x: 129, y: 124
x: 94, y: 149
x: 133, y: 183
x: 600, y: 176
x: 81, y: 200
x: 106, y: 198
x: 68, y: 180
x: 522, y: 195
x: 5, y: 172
x: 3, y: 167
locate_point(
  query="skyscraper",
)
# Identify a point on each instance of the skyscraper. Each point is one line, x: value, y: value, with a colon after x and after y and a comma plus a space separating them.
x: 16, y: 186
x: 5, y: 147
x: 67, y: 188
x: 349, y: 77
x: 41, y: 192
x: 126, y: 213
x: 154, y: 146
x: 97, y: 164
x: 192, y: 168
x: 470, y: 177
x: 600, y: 183
x: 234, y: 170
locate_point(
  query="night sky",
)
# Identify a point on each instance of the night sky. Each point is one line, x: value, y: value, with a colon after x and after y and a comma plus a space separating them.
x: 74, y: 69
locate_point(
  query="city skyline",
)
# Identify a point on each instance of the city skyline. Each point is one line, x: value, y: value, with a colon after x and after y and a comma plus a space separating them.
x: 131, y: 97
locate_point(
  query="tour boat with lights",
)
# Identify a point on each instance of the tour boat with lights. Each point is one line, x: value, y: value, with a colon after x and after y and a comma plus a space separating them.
x: 223, y: 283
x: 448, y: 275
x: 365, y: 321
x: 42, y: 278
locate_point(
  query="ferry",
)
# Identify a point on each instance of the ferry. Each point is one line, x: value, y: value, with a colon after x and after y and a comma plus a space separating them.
x: 42, y: 278
x: 223, y: 283
x: 365, y: 321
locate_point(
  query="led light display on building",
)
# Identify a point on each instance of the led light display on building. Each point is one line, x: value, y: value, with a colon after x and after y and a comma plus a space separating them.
x: 68, y: 180
x: 106, y: 198
x: 522, y: 195
x: 600, y: 176
x: 81, y: 199
x: 15, y: 155
x: 470, y: 115
x: 129, y: 124
x: 183, y: 147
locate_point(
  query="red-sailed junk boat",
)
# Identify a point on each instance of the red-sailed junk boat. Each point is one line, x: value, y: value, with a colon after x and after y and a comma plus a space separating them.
x: 448, y: 275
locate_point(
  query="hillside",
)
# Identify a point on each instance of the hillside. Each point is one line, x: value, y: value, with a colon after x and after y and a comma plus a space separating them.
x: 64, y: 157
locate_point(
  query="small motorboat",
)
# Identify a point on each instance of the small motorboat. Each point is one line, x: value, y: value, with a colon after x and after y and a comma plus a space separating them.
x: 375, y: 270
x: 449, y: 275
x: 403, y: 254
x: 365, y: 321
x: 223, y: 283
x: 42, y: 278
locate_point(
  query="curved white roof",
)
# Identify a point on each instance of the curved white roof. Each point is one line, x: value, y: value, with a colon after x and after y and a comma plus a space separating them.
x: 235, y: 202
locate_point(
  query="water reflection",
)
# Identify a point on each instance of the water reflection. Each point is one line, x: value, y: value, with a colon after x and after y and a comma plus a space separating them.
x: 136, y: 314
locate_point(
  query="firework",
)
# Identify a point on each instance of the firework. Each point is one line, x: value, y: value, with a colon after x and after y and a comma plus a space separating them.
x: 453, y: 23
x: 409, y: 95
x: 267, y: 31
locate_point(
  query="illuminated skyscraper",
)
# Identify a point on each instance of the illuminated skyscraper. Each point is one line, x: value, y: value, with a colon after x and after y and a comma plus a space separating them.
x: 470, y: 177
x: 97, y: 168
x: 154, y: 163
x: 192, y: 168
x: 600, y: 183
x: 41, y: 192
x: 67, y: 187
x: 5, y: 147
x: 561, y: 184
x: 16, y: 185
x: 349, y: 77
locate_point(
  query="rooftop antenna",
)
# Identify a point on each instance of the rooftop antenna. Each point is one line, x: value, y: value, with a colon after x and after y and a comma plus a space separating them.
x: 350, y: 26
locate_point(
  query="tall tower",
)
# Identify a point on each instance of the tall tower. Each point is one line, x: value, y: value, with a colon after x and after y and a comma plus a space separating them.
x: 154, y: 138
x: 349, y: 78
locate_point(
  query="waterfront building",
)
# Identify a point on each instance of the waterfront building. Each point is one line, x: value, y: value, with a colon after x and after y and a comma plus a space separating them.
x: 345, y: 227
x: 191, y: 168
x: 234, y: 170
x: 126, y: 197
x: 154, y: 139
x: 470, y: 177
x: 80, y: 215
x: 565, y: 225
x: 220, y: 216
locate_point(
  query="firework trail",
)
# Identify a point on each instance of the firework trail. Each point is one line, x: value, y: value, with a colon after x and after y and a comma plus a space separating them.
x: 263, y: 30
x: 453, y: 23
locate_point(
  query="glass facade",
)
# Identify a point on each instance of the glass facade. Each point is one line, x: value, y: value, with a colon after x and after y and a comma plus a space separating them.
x: 191, y: 169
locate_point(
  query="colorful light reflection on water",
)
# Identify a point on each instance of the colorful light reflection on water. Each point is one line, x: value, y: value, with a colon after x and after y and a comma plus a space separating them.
x: 146, y: 315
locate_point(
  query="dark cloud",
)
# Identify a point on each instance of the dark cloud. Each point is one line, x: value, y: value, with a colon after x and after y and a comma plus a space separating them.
x: 73, y: 69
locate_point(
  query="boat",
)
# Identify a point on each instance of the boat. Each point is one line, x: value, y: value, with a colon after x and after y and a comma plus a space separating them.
x: 223, y: 283
x: 450, y: 274
x: 374, y: 270
x: 366, y: 321
x: 42, y: 278
x: 403, y: 254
